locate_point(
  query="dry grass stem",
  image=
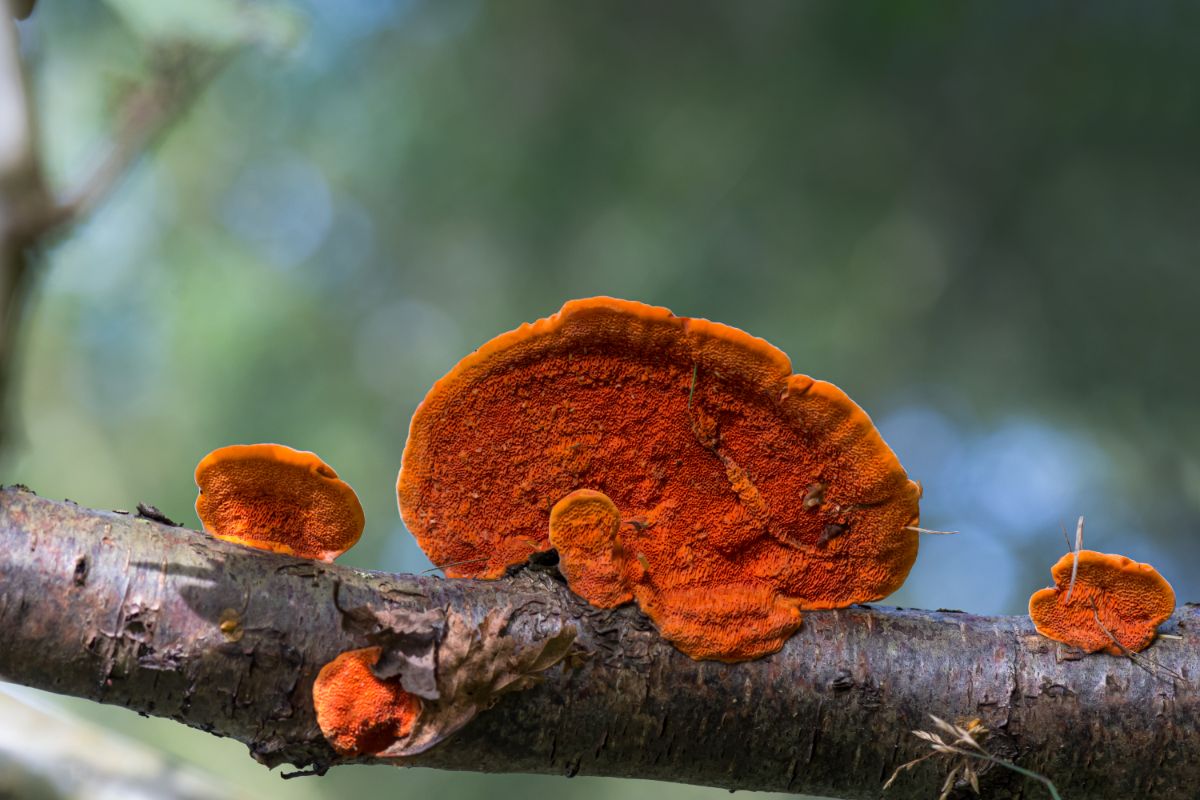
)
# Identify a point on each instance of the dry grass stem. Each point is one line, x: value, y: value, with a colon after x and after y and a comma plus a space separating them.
x: 1075, y: 563
x: 915, y: 529
x: 962, y: 747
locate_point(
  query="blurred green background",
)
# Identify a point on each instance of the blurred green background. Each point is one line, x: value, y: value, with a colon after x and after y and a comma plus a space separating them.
x: 979, y: 219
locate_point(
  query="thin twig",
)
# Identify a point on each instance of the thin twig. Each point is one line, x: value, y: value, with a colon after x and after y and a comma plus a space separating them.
x: 148, y: 113
x: 23, y: 194
x: 28, y: 216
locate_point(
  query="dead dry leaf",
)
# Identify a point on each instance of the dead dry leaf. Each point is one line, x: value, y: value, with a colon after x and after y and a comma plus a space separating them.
x: 409, y: 640
x: 475, y: 666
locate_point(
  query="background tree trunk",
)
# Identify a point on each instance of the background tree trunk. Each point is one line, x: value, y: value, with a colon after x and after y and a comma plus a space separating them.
x: 127, y: 610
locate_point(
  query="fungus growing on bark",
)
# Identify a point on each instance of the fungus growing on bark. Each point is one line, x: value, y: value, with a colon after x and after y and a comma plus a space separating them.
x: 275, y: 498
x: 405, y: 697
x: 584, y: 528
x: 1114, y: 598
x: 744, y: 493
x: 358, y: 713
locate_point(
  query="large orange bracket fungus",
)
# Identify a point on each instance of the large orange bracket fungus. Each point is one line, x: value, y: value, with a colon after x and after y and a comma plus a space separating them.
x: 365, y: 708
x: 1115, y: 604
x: 674, y: 461
x: 275, y: 498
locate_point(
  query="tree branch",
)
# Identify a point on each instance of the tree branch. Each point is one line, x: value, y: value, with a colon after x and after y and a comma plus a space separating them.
x: 24, y: 197
x: 127, y: 610
x: 29, y: 214
x: 145, y: 116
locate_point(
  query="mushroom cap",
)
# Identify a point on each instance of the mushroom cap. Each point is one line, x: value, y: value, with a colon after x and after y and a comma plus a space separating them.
x: 1131, y: 600
x: 584, y: 528
x: 275, y: 498
x: 358, y: 713
x: 698, y: 432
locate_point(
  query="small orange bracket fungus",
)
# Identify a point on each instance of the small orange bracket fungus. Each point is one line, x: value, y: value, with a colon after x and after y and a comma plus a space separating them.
x: 719, y: 490
x: 275, y: 498
x: 1116, y: 604
x: 359, y: 713
x: 584, y: 528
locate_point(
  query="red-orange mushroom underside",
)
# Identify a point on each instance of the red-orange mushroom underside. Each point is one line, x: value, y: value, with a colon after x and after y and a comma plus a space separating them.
x: 358, y: 713
x: 1112, y: 595
x: 744, y: 492
x: 275, y: 498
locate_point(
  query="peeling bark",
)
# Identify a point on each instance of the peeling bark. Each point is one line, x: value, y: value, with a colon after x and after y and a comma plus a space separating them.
x: 170, y: 622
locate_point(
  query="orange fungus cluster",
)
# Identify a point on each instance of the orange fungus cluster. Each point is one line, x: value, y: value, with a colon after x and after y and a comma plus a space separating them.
x: 358, y: 713
x: 1115, y: 605
x: 275, y: 498
x: 673, y: 461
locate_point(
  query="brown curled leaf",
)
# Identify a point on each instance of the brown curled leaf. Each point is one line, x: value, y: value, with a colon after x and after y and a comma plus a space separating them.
x: 408, y: 641
x: 476, y: 664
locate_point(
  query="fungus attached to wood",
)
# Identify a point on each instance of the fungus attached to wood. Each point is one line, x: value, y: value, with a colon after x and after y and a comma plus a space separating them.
x: 723, y: 475
x: 358, y: 713
x: 275, y: 498
x: 584, y: 529
x: 1116, y: 604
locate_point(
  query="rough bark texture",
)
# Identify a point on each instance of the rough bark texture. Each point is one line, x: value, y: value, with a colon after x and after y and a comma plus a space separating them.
x: 126, y: 610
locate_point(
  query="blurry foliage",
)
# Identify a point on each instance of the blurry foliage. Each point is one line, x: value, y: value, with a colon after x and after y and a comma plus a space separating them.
x: 976, y: 218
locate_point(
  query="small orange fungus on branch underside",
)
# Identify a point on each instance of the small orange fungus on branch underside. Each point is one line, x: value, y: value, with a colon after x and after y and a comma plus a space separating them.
x: 275, y: 498
x: 1115, y: 603
x: 473, y: 665
x: 358, y: 713
x: 721, y: 474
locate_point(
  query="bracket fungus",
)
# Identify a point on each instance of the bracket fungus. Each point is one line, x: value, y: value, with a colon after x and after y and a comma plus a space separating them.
x: 735, y: 494
x: 1115, y: 605
x: 358, y: 713
x: 272, y: 497
x: 364, y: 706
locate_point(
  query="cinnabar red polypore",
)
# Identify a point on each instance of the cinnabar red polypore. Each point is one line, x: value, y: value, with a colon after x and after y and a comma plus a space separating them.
x: 358, y: 713
x: 275, y: 498
x: 742, y: 493
x: 1114, y: 598
x: 585, y: 530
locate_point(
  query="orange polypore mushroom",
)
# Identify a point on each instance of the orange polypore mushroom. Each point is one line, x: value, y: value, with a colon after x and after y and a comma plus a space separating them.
x: 1114, y: 598
x: 275, y: 498
x: 734, y: 492
x: 585, y: 529
x: 358, y: 713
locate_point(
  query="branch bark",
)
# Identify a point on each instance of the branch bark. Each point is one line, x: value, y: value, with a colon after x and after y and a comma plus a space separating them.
x: 126, y: 610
